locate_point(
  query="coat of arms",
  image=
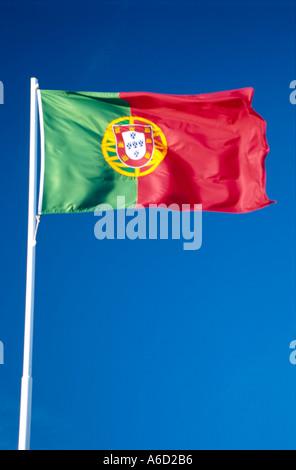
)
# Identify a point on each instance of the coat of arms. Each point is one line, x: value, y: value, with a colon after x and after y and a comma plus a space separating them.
x: 134, y: 144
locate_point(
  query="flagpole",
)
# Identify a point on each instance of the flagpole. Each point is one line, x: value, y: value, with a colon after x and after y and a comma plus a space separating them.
x: 26, y: 384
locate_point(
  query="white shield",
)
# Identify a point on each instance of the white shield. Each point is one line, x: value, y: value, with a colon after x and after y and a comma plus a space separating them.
x: 135, y: 144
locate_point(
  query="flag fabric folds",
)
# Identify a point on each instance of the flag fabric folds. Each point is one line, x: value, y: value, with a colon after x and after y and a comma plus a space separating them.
x: 152, y: 148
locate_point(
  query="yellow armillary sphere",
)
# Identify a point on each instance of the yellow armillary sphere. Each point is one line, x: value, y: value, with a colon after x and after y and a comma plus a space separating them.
x: 133, y: 146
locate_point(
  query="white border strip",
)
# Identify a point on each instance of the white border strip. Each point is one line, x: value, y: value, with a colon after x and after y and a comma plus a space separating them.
x: 42, y: 146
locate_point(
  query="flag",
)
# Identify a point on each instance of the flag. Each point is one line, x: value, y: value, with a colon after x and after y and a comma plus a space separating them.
x: 153, y: 148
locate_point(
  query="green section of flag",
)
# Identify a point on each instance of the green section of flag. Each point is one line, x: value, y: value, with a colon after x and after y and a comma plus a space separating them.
x: 77, y: 178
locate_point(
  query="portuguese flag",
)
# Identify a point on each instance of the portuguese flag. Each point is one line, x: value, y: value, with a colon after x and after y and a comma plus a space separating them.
x: 152, y: 148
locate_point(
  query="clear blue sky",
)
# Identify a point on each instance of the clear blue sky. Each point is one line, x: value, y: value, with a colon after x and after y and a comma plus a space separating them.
x: 195, y: 355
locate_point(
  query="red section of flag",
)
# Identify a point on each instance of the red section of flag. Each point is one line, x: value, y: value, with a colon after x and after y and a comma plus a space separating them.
x: 216, y: 150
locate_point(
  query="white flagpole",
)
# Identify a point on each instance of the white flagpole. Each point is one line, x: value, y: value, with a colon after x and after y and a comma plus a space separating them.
x: 26, y: 386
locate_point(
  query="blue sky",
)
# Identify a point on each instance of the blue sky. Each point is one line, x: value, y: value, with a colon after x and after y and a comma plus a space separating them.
x: 195, y: 355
